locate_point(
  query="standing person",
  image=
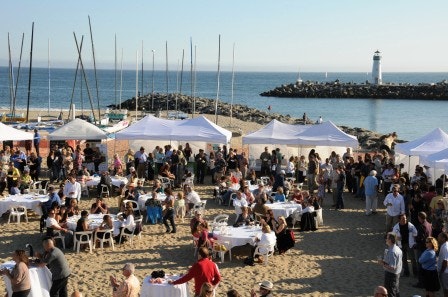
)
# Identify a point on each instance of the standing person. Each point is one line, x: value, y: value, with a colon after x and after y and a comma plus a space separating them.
x: 129, y: 287
x: 20, y: 275
x: 442, y: 262
x: 313, y: 169
x: 266, y: 288
x: 55, y: 260
x: 220, y: 166
x: 424, y: 230
x: 279, y: 156
x: 244, y: 164
x: 169, y: 211
x: 72, y: 189
x: 371, y: 191
x: 140, y: 159
x: 340, y: 187
x: 392, y: 265
x: 265, y: 158
x: 201, y: 166
x: 406, y: 233
x: 428, y: 260
x: 395, y: 207
x: 203, y: 271
x: 36, y: 141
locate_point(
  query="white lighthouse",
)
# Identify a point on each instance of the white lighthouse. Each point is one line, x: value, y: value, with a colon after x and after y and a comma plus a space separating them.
x: 377, y: 78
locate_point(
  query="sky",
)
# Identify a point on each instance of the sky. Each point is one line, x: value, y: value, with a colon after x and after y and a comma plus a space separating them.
x: 283, y: 35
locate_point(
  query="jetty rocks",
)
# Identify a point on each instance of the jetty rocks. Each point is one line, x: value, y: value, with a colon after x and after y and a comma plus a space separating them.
x: 336, y: 89
x: 368, y: 140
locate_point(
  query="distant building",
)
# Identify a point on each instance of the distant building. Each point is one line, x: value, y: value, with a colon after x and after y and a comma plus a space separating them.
x: 377, y: 78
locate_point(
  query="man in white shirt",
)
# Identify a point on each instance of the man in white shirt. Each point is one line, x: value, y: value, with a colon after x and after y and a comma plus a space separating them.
x: 192, y: 198
x: 239, y: 202
x: 395, y: 207
x: 442, y: 261
x: 72, y: 189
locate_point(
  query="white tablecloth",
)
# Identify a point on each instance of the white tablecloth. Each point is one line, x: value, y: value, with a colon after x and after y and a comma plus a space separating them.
x: 164, y: 290
x: 40, y: 280
x: 95, y: 221
x: 30, y: 201
x: 142, y: 199
x: 116, y: 181
x: 282, y: 208
x: 239, y: 236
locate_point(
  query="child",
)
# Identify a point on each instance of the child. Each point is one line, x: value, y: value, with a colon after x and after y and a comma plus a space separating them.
x: 321, y: 187
x: 279, y: 196
x: 179, y: 206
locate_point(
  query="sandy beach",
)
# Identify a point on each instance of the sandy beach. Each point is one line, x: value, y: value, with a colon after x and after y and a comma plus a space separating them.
x: 339, y: 259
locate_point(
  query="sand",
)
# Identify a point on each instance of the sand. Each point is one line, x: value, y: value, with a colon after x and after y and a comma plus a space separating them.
x: 339, y: 259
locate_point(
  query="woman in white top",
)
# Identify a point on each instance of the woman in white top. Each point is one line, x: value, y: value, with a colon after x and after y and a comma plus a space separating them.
x: 128, y: 223
x: 291, y: 168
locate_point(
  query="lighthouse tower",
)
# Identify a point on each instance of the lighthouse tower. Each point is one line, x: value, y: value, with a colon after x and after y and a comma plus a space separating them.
x: 377, y: 78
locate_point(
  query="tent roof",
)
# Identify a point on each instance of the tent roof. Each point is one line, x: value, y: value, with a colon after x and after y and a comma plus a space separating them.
x: 275, y: 133
x: 78, y: 130
x: 437, y: 160
x: 10, y: 133
x: 433, y: 142
x: 197, y: 129
x: 326, y: 134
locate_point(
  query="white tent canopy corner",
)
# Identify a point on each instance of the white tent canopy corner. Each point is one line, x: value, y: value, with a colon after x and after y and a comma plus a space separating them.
x: 275, y: 132
x: 431, y: 143
x: 78, y: 130
x: 10, y: 133
x: 326, y: 134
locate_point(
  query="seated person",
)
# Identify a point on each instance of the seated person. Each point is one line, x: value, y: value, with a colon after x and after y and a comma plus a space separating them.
x: 279, y: 180
x: 267, y: 238
x: 82, y: 224
x: 106, y: 181
x: 244, y: 218
x: 73, y: 208
x: 99, y: 207
x: 192, y: 198
x: 260, y: 190
x: 197, y: 219
x: 153, y: 209
x: 260, y: 207
x: 106, y: 224
x: 203, y: 234
x: 296, y: 196
x: 279, y: 196
x: 284, y: 240
x: 127, y: 221
x: 158, y: 188
x: 252, y: 177
x: 165, y: 171
x: 52, y: 225
x: 239, y: 202
x: 25, y: 180
x: 307, y: 221
x: 61, y: 216
x: 53, y: 197
x: 14, y: 190
x: 130, y: 193
x: 270, y: 220
x: 248, y: 195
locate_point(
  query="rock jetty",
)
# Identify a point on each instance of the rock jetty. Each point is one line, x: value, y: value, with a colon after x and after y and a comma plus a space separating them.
x: 368, y: 140
x: 336, y: 89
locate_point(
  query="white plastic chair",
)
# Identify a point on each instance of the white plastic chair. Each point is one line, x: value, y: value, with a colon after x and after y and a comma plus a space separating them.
x: 222, y: 218
x: 131, y: 235
x: 265, y: 180
x: 218, y: 248
x: 59, y: 235
x: 103, y: 240
x: 104, y: 190
x: 134, y: 204
x: 17, y: 212
x: 319, y: 218
x: 232, y: 197
x: 85, y: 237
x: 166, y: 182
x: 200, y: 206
x: 264, y: 251
x: 36, y: 187
x: 296, y: 217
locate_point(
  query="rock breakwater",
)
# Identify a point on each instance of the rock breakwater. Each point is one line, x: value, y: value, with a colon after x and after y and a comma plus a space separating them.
x: 336, y: 89
x: 368, y: 140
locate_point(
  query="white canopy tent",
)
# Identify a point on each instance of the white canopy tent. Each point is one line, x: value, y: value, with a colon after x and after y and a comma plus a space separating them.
x: 433, y: 142
x: 10, y: 133
x: 326, y: 134
x: 437, y: 160
x: 275, y: 133
x: 199, y: 129
x: 78, y: 130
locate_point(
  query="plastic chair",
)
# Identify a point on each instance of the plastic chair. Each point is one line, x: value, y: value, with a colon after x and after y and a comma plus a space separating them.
x: 104, y: 190
x: 17, y: 212
x: 85, y: 237
x: 265, y: 180
x: 200, y: 206
x: 264, y: 251
x: 296, y: 217
x: 232, y: 197
x: 319, y: 218
x: 222, y: 247
x: 104, y: 238
x: 131, y: 235
x: 223, y: 218
x: 36, y: 187
x: 59, y: 235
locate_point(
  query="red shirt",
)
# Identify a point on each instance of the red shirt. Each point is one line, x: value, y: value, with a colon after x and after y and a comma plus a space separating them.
x: 203, y: 271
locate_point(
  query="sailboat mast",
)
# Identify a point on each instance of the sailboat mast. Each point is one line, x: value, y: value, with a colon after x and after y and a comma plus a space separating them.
x: 85, y: 77
x: 166, y: 77
x: 74, y: 81
x: 191, y: 71
x: 141, y: 93
x: 121, y: 76
x: 94, y: 69
x: 194, y: 84
x: 181, y: 77
x: 115, y: 73
x: 11, y: 80
x: 217, y: 80
x: 233, y: 81
x: 29, y: 77
x: 49, y: 78
x: 18, y: 74
x: 136, y: 85
x: 152, y: 89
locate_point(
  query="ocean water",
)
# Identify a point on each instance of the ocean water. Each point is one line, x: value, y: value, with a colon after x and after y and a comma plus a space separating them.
x: 409, y: 118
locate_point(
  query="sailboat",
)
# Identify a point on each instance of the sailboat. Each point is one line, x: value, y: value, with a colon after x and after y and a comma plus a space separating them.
x: 236, y: 131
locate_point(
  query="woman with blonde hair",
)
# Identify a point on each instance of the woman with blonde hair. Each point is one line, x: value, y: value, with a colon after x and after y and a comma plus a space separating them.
x: 179, y: 205
x: 206, y: 290
x: 428, y: 262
